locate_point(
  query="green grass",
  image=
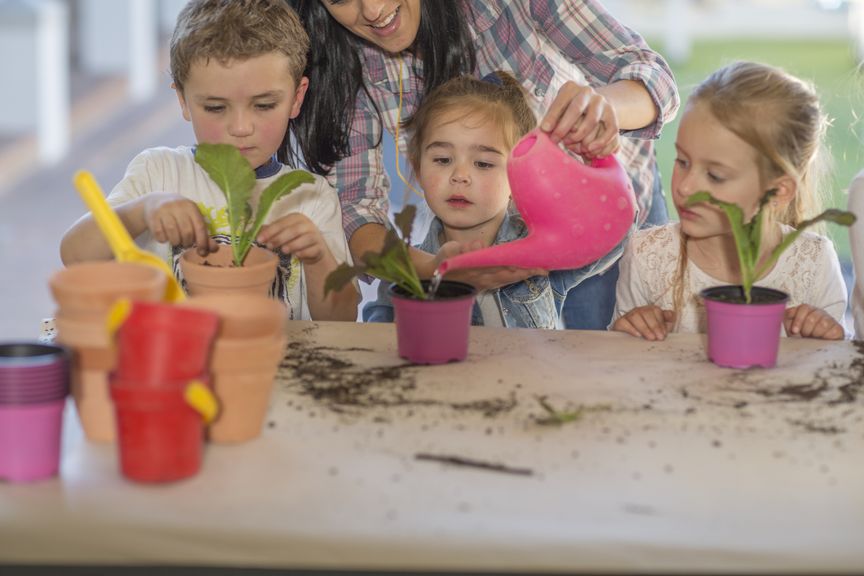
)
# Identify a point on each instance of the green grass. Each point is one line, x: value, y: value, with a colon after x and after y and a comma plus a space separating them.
x: 829, y: 65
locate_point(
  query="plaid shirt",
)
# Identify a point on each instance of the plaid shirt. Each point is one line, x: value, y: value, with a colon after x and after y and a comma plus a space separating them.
x: 543, y: 43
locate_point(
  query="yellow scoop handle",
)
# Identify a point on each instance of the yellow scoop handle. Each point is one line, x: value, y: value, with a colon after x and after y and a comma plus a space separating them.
x: 118, y: 237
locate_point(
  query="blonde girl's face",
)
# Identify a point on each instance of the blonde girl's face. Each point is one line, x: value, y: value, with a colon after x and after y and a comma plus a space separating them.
x: 712, y: 158
x: 463, y: 172
x: 389, y: 24
x: 246, y: 103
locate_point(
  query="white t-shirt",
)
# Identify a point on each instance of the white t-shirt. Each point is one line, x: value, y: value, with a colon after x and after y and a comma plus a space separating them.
x: 175, y: 170
x: 808, y: 271
x: 856, y: 240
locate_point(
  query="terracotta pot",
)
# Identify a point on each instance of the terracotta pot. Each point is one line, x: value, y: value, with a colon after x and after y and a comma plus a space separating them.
x: 93, y: 404
x: 243, y: 315
x: 433, y: 331
x: 87, y: 291
x: 89, y: 342
x: 742, y: 335
x: 247, y: 354
x: 216, y: 273
x: 243, y: 399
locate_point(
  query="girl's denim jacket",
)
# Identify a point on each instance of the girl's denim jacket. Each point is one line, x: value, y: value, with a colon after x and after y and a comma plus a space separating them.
x: 532, y: 303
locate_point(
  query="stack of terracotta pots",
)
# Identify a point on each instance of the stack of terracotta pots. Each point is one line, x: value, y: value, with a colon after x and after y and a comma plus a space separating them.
x: 84, y: 294
x: 246, y: 355
x: 160, y: 388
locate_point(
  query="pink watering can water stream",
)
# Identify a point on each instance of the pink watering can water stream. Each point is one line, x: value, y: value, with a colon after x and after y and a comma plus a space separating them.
x: 575, y: 213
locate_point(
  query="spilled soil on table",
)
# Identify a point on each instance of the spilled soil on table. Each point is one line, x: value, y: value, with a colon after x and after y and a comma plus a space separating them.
x: 343, y: 386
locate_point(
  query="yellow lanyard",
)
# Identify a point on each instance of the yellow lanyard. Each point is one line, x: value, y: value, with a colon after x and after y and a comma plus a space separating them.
x: 396, y: 138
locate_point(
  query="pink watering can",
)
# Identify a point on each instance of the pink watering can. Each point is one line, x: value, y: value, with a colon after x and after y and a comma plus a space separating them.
x: 575, y: 213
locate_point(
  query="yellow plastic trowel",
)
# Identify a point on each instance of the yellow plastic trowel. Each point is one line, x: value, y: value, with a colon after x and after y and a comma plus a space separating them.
x: 118, y: 237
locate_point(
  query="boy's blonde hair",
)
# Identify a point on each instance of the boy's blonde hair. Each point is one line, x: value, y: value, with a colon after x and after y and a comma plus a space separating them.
x: 500, y: 100
x: 780, y: 116
x: 236, y: 30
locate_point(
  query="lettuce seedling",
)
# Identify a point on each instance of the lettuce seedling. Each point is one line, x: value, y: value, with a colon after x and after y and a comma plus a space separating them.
x: 392, y: 264
x: 748, y: 235
x: 231, y: 171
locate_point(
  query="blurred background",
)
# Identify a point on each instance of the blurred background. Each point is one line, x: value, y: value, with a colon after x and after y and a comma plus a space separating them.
x: 85, y: 84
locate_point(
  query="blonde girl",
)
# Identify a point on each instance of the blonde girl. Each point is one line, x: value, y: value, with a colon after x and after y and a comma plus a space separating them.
x: 746, y: 129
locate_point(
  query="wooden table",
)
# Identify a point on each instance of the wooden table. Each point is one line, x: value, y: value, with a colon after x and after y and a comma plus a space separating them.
x: 671, y: 463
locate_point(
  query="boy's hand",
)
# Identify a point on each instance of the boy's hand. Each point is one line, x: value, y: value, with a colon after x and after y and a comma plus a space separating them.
x: 648, y: 322
x: 294, y: 234
x: 810, y: 322
x: 583, y: 120
x: 174, y: 219
x: 488, y: 278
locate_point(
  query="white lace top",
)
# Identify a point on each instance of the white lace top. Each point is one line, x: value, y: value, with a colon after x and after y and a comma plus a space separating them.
x: 809, y: 271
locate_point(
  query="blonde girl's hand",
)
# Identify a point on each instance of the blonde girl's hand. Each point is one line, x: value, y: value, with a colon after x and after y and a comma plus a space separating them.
x: 810, y: 322
x: 648, y: 322
x: 583, y: 120
x: 176, y: 220
x: 295, y: 234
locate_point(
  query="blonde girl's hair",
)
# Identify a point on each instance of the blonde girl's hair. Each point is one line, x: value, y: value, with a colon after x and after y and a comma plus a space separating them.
x: 780, y: 116
x: 236, y: 30
x: 498, y: 98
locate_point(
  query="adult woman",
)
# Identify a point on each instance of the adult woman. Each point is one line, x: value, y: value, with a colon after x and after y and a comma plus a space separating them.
x: 371, y: 61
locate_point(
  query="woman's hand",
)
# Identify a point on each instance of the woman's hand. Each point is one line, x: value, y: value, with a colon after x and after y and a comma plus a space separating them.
x: 810, y: 322
x: 648, y: 322
x: 583, y: 120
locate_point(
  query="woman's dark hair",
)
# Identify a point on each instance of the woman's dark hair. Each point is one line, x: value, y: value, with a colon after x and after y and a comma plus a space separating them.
x: 336, y: 75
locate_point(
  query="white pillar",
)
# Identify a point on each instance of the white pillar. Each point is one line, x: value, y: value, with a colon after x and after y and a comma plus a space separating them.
x: 52, y: 53
x: 143, y: 49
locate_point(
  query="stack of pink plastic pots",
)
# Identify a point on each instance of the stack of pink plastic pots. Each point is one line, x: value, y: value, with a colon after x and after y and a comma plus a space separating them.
x: 246, y: 356
x: 160, y: 389
x: 34, y: 383
x: 84, y: 294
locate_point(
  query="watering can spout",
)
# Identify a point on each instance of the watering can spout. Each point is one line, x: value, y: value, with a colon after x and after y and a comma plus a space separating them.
x: 523, y: 253
x: 575, y: 213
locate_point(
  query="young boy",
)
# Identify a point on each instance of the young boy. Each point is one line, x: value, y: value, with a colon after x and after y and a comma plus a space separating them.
x: 461, y: 137
x: 238, y: 73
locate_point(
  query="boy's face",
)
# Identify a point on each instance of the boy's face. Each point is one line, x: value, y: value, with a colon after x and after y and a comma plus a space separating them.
x: 246, y: 103
x: 463, y: 172
x: 710, y: 157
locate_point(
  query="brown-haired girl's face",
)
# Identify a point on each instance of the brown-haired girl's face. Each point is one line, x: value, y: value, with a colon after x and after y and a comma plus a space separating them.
x: 463, y: 172
x: 710, y: 157
x: 389, y: 24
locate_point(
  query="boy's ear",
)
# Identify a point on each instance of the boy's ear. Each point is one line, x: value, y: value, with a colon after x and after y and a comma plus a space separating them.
x: 299, y: 94
x: 182, y: 100
x: 786, y: 190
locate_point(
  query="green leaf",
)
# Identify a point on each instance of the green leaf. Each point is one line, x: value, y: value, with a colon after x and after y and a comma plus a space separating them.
x: 231, y: 171
x: 748, y: 236
x: 279, y: 188
x: 840, y: 217
x: 392, y: 264
x: 405, y: 221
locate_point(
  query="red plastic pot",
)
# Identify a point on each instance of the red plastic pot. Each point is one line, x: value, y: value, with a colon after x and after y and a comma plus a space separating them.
x: 434, y: 331
x: 159, y: 343
x: 160, y: 436
x: 744, y: 335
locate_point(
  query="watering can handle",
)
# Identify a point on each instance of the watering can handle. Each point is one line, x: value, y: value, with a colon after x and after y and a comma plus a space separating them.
x: 110, y: 224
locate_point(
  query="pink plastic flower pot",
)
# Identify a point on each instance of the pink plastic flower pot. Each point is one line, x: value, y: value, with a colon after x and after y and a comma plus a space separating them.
x: 30, y: 440
x: 434, y: 331
x: 744, y: 335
